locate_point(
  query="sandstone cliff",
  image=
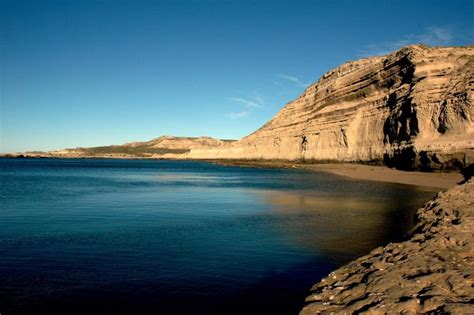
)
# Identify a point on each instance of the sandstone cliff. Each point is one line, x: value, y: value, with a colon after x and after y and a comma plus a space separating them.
x: 411, y: 109
x: 432, y: 272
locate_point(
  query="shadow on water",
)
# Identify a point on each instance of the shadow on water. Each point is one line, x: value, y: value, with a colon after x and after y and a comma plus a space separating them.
x: 344, y: 227
x: 265, y: 296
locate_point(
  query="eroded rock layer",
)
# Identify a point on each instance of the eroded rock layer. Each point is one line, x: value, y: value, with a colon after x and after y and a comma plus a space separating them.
x: 433, y: 272
x: 411, y: 108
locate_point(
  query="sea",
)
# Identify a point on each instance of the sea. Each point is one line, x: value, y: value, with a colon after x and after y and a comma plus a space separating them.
x: 116, y: 236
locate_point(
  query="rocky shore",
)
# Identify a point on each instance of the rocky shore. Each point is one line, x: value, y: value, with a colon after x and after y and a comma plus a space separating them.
x: 431, y: 272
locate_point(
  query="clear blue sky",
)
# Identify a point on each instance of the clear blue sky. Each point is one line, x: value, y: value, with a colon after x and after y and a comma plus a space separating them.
x: 88, y: 73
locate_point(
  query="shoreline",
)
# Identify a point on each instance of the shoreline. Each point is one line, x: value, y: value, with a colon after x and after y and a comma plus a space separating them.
x: 433, y: 180
x: 357, y: 171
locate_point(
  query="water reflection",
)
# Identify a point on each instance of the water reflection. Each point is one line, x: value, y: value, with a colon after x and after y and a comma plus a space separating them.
x: 343, y: 227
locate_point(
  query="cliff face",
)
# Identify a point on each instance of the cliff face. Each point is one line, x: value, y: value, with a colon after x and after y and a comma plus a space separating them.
x: 411, y: 108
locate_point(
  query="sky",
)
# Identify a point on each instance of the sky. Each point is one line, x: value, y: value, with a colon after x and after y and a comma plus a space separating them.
x: 90, y: 73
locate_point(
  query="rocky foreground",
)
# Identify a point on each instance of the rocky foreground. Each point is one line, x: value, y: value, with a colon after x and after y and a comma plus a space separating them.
x: 432, y: 272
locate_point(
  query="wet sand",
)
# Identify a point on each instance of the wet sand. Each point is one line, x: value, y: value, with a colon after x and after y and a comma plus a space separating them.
x: 362, y: 172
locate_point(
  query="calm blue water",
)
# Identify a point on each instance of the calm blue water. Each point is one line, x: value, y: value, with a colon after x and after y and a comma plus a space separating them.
x: 159, y: 237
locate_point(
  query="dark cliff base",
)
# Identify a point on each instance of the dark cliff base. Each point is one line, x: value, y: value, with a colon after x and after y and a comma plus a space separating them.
x: 409, y: 159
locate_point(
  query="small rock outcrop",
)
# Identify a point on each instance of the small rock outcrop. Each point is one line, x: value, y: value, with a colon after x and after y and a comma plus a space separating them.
x: 411, y: 109
x: 432, y: 272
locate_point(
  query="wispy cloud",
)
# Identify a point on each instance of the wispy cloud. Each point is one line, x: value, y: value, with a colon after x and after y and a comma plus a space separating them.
x: 237, y: 115
x: 296, y: 81
x: 289, y: 78
x: 437, y: 36
x: 256, y: 102
x: 259, y: 100
x: 250, y: 104
x: 433, y: 36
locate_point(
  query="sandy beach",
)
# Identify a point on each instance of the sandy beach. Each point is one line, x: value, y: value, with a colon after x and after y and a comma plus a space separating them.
x: 362, y: 172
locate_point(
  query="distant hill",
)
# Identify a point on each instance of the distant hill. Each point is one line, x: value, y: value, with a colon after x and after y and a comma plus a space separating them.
x: 165, y: 146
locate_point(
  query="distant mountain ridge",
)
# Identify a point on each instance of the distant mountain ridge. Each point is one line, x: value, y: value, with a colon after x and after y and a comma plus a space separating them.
x: 162, y: 147
x: 171, y: 142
